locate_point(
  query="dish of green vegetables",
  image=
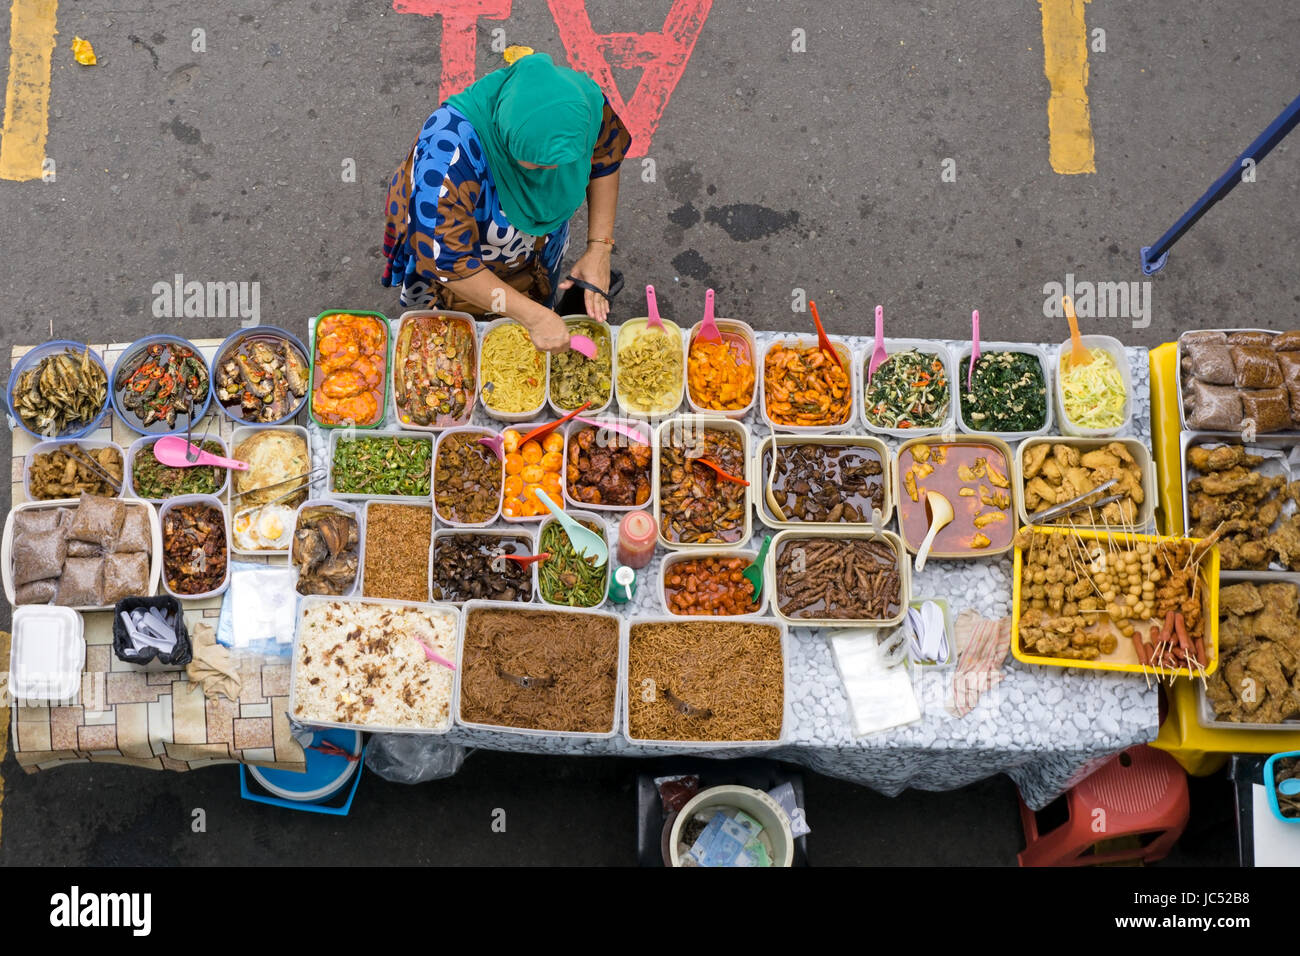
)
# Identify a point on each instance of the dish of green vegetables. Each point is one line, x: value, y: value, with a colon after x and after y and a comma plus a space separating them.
x: 383, y: 466
x: 1008, y: 394
x: 909, y: 390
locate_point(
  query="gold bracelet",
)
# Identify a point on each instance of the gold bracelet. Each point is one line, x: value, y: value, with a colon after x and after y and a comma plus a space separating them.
x: 608, y: 242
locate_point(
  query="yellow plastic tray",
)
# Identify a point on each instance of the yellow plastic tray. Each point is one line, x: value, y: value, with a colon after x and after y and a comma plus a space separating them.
x: 1209, y: 581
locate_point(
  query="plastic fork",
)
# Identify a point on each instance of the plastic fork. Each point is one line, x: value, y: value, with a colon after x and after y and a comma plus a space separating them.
x: 974, y: 349
x: 541, y: 431
x: 879, y: 355
x: 1079, y: 355
x: 726, y: 476
x: 822, y: 340
x: 709, y: 327
x: 653, y: 322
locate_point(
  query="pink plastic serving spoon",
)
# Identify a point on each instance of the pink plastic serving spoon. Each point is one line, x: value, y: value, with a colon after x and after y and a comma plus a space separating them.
x: 974, y: 348
x: 496, y: 443
x: 709, y: 327
x: 631, y: 431
x: 879, y: 355
x: 583, y: 345
x: 171, y: 450
x: 434, y: 656
x: 653, y: 322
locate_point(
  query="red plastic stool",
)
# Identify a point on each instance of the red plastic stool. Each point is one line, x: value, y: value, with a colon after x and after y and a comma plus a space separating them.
x: 1142, y: 793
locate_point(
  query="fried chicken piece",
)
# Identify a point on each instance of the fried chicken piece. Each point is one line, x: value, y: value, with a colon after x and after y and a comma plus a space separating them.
x: 1099, y: 458
x: 1221, y: 699
x: 1052, y: 471
x: 1120, y: 451
x: 1244, y: 690
x: 1066, y: 456
x: 1234, y: 634
x: 1035, y: 455
x: 1240, y: 599
x: 1264, y: 666
x: 1234, y: 481
x: 1286, y: 542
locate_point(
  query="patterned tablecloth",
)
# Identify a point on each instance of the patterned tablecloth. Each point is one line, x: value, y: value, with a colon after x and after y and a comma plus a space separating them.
x: 1046, y: 728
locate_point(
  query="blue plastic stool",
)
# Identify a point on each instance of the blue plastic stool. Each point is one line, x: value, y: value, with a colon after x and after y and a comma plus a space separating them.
x: 326, y: 776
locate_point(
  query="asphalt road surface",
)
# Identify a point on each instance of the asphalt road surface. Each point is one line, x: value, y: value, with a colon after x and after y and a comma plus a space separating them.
x: 853, y: 153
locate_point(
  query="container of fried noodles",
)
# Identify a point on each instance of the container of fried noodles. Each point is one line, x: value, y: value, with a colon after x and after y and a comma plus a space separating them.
x: 514, y: 377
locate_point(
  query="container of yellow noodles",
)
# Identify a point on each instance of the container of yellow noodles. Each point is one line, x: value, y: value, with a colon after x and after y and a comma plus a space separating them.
x: 1094, y: 400
x: 513, y: 375
x: 651, y: 375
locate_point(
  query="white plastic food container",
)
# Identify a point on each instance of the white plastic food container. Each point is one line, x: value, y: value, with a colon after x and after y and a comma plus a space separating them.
x: 48, y: 653
x: 170, y: 505
x: 527, y: 535
x: 359, y: 589
x: 904, y: 568
x: 144, y: 446
x: 344, y: 434
x: 358, y: 513
x: 926, y: 347
x: 611, y: 333
x: 728, y: 328
x: 394, y: 413
x: 986, y: 348
x: 1146, y: 512
x: 238, y: 504
x: 485, y: 394
x: 787, y: 720
x: 626, y: 408
x: 670, y: 561
x: 809, y: 342
x: 609, y: 563
x: 7, y: 546
x: 85, y: 444
x: 1115, y: 349
x: 612, y: 439
x: 431, y: 609
x: 621, y: 679
x: 758, y: 477
x: 668, y: 431
x: 474, y: 432
x: 522, y: 430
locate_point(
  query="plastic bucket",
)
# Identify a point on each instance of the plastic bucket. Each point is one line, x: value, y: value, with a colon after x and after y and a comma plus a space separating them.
x: 755, y: 803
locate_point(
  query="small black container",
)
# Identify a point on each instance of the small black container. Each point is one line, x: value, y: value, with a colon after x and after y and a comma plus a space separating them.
x: 166, y: 605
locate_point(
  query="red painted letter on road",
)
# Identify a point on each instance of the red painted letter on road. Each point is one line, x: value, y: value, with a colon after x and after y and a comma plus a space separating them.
x: 662, y: 57
x: 459, y: 34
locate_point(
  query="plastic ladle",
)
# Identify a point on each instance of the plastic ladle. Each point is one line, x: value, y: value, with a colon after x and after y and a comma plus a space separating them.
x: 631, y: 431
x: 974, y: 349
x: 527, y: 559
x: 726, y: 476
x: 878, y: 355
x: 171, y: 450
x: 1079, y: 354
x: 822, y: 340
x: 583, y: 345
x: 586, y: 543
x: 709, y: 326
x: 434, y: 656
x: 652, y: 304
x: 940, y: 509
x: 541, y: 431
x: 769, y: 490
x: 496, y: 443
x: 754, y: 573
x: 1289, y: 788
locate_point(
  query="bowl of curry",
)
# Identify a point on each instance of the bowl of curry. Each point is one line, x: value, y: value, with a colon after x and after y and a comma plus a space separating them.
x: 974, y: 473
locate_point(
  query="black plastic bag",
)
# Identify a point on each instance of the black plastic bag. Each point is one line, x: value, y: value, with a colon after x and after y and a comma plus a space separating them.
x: 167, y: 606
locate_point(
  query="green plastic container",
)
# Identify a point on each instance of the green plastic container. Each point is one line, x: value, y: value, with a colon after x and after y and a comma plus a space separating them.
x: 388, y: 362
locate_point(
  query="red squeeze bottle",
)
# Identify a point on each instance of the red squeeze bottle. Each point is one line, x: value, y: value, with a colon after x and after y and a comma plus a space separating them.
x: 636, y: 539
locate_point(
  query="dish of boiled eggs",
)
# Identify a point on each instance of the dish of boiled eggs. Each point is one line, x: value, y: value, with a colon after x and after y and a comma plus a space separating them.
x: 268, y: 528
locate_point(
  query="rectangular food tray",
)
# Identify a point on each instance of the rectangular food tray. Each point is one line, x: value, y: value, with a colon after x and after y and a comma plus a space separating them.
x: 339, y: 434
x: 313, y: 599
x: 758, y: 478
x: 388, y: 363
x: 665, y: 430
x: 1146, y: 512
x: 904, y: 567
x: 471, y: 606
x: 1209, y: 599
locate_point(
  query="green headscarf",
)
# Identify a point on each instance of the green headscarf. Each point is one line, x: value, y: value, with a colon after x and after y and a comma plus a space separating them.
x: 541, y: 113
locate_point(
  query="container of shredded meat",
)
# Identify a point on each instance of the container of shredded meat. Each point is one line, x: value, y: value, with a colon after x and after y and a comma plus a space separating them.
x: 713, y: 684
x: 539, y: 671
x: 360, y: 663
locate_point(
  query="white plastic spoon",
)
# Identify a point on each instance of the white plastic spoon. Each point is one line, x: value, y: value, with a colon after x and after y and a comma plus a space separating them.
x: 588, y: 544
x: 940, y: 509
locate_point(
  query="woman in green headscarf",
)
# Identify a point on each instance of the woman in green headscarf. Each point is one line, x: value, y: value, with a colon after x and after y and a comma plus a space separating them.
x: 478, y: 215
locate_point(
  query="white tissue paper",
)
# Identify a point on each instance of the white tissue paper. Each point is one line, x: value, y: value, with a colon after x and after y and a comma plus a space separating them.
x: 263, y: 604
x: 878, y: 684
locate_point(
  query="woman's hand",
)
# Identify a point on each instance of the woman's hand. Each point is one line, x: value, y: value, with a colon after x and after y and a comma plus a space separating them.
x: 593, y: 267
x: 549, y: 333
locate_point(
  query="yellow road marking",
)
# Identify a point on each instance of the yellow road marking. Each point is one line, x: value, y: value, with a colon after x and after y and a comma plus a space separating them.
x: 1065, y: 61
x: 27, y: 95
